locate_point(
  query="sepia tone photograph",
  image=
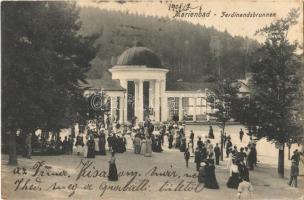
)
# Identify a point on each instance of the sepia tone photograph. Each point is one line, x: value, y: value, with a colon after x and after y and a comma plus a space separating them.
x: 168, y: 100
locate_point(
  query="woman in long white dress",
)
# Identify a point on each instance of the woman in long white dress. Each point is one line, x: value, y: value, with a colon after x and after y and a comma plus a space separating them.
x: 96, y: 140
x: 229, y: 162
x: 85, y: 147
x: 148, y: 147
x: 143, y: 146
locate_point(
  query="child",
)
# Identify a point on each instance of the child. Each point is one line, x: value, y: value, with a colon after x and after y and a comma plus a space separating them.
x: 187, y: 156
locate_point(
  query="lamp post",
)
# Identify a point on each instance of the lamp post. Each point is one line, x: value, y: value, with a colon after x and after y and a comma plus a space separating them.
x: 222, y: 131
x: 206, y: 92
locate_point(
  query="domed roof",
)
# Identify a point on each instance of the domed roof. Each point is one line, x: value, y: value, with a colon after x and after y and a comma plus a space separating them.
x: 139, y: 56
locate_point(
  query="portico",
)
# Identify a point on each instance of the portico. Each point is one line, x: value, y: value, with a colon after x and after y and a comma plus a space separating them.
x: 137, y: 87
x: 145, y: 91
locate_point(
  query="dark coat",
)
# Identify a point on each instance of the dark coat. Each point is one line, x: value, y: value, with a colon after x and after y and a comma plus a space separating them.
x: 198, y: 156
x: 210, y: 181
x: 217, y: 151
x: 244, y: 172
x: 294, y: 171
x: 201, y: 174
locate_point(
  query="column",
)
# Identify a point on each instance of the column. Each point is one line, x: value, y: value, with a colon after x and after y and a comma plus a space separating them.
x: 124, y: 84
x: 136, y: 99
x: 151, y: 93
x: 113, y: 108
x: 164, y: 106
x: 194, y: 109
x: 121, y: 109
x: 180, y: 109
x: 141, y: 100
x: 157, y: 96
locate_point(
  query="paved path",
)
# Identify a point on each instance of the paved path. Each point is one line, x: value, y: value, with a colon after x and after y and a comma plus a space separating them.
x: 266, y: 183
x: 265, y: 180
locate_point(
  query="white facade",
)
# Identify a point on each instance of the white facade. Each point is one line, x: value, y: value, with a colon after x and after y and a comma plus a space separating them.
x: 187, y: 105
x: 136, y: 87
x: 156, y: 77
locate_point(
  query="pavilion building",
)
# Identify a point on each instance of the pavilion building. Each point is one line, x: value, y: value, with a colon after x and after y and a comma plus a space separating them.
x: 137, y: 86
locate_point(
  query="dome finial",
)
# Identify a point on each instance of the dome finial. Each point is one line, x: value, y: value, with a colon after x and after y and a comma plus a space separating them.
x: 137, y: 43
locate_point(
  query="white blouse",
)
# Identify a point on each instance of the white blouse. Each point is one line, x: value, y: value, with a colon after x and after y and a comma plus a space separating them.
x: 234, y: 169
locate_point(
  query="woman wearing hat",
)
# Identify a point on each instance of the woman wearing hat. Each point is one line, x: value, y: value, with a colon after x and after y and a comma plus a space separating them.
x: 230, y: 158
x: 202, y: 173
x: 170, y: 139
x: 233, y: 181
x: 210, y: 181
x: 91, y: 147
x: 113, y: 176
x: 102, y: 143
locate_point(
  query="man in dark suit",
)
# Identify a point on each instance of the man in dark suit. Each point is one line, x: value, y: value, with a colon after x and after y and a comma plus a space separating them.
x: 198, y: 158
x: 217, y: 152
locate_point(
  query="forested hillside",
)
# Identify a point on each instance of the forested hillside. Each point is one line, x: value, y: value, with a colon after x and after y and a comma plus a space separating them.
x: 191, y: 52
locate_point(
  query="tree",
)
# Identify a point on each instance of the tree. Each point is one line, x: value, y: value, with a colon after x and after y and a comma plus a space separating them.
x: 44, y: 57
x: 223, y: 100
x: 275, y: 87
x: 186, y: 49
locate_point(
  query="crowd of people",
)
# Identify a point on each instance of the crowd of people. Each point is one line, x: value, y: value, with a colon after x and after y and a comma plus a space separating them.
x: 147, y: 138
x: 207, y: 156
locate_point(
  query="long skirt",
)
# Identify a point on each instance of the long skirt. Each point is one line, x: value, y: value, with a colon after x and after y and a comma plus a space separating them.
x: 143, y: 149
x: 233, y: 181
x: 182, y: 147
x: 229, y: 162
x: 112, y: 172
x: 148, y: 149
x: 91, y: 153
x: 137, y: 149
x: 124, y: 148
x: 170, y: 144
x: 211, y: 183
x: 177, y: 144
x: 201, y: 175
x: 102, y: 149
x: 159, y: 148
x: 79, y: 148
x: 96, y: 140
x: 85, y: 151
x: 211, y: 136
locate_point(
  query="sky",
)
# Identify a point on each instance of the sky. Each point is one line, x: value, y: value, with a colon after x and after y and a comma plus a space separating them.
x: 235, y: 26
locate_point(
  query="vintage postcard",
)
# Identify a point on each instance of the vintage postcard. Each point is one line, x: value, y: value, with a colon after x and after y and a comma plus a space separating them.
x: 152, y: 99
